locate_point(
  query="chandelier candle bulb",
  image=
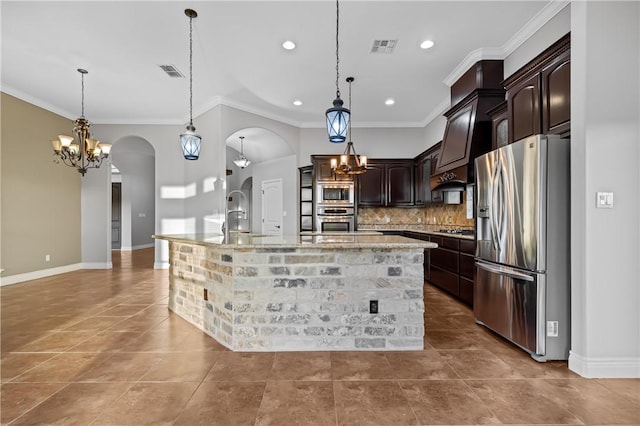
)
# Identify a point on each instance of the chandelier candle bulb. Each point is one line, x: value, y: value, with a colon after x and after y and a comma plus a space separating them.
x: 65, y: 141
x: 57, y: 145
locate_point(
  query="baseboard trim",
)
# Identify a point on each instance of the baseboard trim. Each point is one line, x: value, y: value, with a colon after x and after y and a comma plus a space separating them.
x: 594, y: 368
x: 28, y: 276
x: 97, y: 265
x: 140, y: 247
x: 161, y: 265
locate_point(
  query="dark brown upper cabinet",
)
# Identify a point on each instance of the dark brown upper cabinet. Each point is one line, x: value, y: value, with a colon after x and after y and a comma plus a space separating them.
x: 371, y: 186
x: 524, y: 108
x: 539, y: 94
x: 425, y: 164
x: 499, y: 125
x: 322, y: 168
x: 556, y: 95
x: 386, y: 183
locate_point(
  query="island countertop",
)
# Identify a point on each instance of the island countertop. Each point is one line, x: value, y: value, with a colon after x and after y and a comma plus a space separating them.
x: 328, y: 240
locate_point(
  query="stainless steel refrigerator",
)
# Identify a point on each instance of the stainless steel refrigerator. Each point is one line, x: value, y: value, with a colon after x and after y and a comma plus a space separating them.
x: 522, y: 285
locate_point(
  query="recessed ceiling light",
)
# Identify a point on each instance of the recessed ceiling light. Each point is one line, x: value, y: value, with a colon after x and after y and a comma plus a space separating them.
x: 289, y: 45
x: 427, y: 44
x: 389, y: 102
x: 297, y: 103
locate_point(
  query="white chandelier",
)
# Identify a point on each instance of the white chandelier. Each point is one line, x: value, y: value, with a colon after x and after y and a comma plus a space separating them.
x: 242, y: 161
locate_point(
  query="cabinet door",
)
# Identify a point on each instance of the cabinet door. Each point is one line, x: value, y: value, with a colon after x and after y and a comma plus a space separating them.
x: 422, y: 181
x: 323, y: 170
x: 436, y: 196
x: 400, y: 184
x: 524, y: 108
x: 444, y: 279
x: 371, y: 186
x: 556, y: 96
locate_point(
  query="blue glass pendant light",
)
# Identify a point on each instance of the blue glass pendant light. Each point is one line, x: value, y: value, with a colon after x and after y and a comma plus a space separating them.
x: 189, y: 140
x: 337, y: 116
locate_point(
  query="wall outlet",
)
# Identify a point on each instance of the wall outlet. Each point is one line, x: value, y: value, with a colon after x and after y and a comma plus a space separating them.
x: 47, y: 258
x: 552, y: 328
x: 206, y: 294
x: 373, y: 306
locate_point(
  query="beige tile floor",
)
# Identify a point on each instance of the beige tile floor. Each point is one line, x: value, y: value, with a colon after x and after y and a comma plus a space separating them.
x: 101, y: 348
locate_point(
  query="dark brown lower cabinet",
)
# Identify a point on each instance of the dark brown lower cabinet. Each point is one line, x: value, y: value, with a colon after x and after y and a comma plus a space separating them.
x: 467, y: 270
x: 445, y: 264
x: 452, y: 266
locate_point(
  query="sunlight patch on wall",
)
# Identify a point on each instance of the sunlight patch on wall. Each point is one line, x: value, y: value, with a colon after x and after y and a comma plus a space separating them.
x: 178, y: 192
x: 209, y: 184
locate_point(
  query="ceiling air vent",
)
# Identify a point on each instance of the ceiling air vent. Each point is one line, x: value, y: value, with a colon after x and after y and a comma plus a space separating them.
x: 383, y: 46
x: 171, y: 71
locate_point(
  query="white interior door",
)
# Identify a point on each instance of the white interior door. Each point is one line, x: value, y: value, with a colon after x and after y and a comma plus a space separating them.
x: 272, y: 207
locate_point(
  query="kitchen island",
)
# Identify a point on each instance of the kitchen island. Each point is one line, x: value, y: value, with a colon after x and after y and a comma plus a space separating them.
x: 298, y: 293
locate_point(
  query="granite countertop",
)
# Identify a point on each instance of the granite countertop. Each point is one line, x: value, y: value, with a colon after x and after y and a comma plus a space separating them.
x: 420, y: 231
x: 334, y: 240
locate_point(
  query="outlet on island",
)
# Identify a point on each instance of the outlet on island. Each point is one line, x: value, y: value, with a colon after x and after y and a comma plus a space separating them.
x: 373, y: 306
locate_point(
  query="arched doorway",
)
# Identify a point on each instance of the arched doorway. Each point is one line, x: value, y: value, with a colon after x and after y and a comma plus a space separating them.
x: 133, y: 194
x: 265, y: 150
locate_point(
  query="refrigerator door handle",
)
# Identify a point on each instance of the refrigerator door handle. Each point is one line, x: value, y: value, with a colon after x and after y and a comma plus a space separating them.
x: 494, y: 206
x: 502, y: 270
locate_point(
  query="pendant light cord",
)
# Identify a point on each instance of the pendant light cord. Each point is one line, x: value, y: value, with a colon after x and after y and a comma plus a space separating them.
x: 191, y: 71
x: 82, y: 85
x: 337, y: 48
x: 350, y: 79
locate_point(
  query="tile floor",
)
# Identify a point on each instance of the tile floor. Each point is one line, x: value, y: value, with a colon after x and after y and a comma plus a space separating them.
x: 100, y: 348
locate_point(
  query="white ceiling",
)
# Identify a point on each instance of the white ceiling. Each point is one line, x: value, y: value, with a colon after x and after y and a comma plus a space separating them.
x: 238, y: 59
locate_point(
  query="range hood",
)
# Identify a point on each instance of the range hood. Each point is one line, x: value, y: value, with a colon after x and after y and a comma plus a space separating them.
x: 468, y: 131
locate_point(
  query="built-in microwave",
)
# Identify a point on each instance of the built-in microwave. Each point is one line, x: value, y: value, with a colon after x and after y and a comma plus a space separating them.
x: 342, y: 193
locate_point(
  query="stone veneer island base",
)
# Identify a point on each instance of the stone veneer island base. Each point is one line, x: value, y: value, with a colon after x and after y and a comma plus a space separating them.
x: 300, y: 293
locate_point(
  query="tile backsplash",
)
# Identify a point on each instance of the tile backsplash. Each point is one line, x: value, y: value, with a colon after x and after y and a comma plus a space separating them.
x: 427, y: 218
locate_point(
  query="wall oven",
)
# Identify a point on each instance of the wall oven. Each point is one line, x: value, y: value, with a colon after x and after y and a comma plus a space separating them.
x: 334, y: 193
x: 335, y: 219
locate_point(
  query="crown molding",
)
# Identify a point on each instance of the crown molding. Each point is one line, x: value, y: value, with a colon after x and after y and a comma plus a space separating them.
x: 546, y: 13
x: 9, y: 90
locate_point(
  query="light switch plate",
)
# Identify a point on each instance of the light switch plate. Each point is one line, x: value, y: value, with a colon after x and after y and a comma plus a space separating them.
x: 604, y: 200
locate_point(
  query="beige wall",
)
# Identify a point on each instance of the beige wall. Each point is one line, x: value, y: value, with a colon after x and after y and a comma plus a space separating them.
x: 40, y: 200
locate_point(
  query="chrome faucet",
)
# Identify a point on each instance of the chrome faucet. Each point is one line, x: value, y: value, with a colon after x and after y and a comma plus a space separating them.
x: 227, y: 212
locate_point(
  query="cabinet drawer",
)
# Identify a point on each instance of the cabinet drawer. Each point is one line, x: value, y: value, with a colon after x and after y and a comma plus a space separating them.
x: 467, y: 266
x: 444, y: 279
x: 450, y: 243
x: 436, y: 239
x: 445, y: 259
x: 466, y: 290
x: 468, y: 246
x: 445, y: 242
